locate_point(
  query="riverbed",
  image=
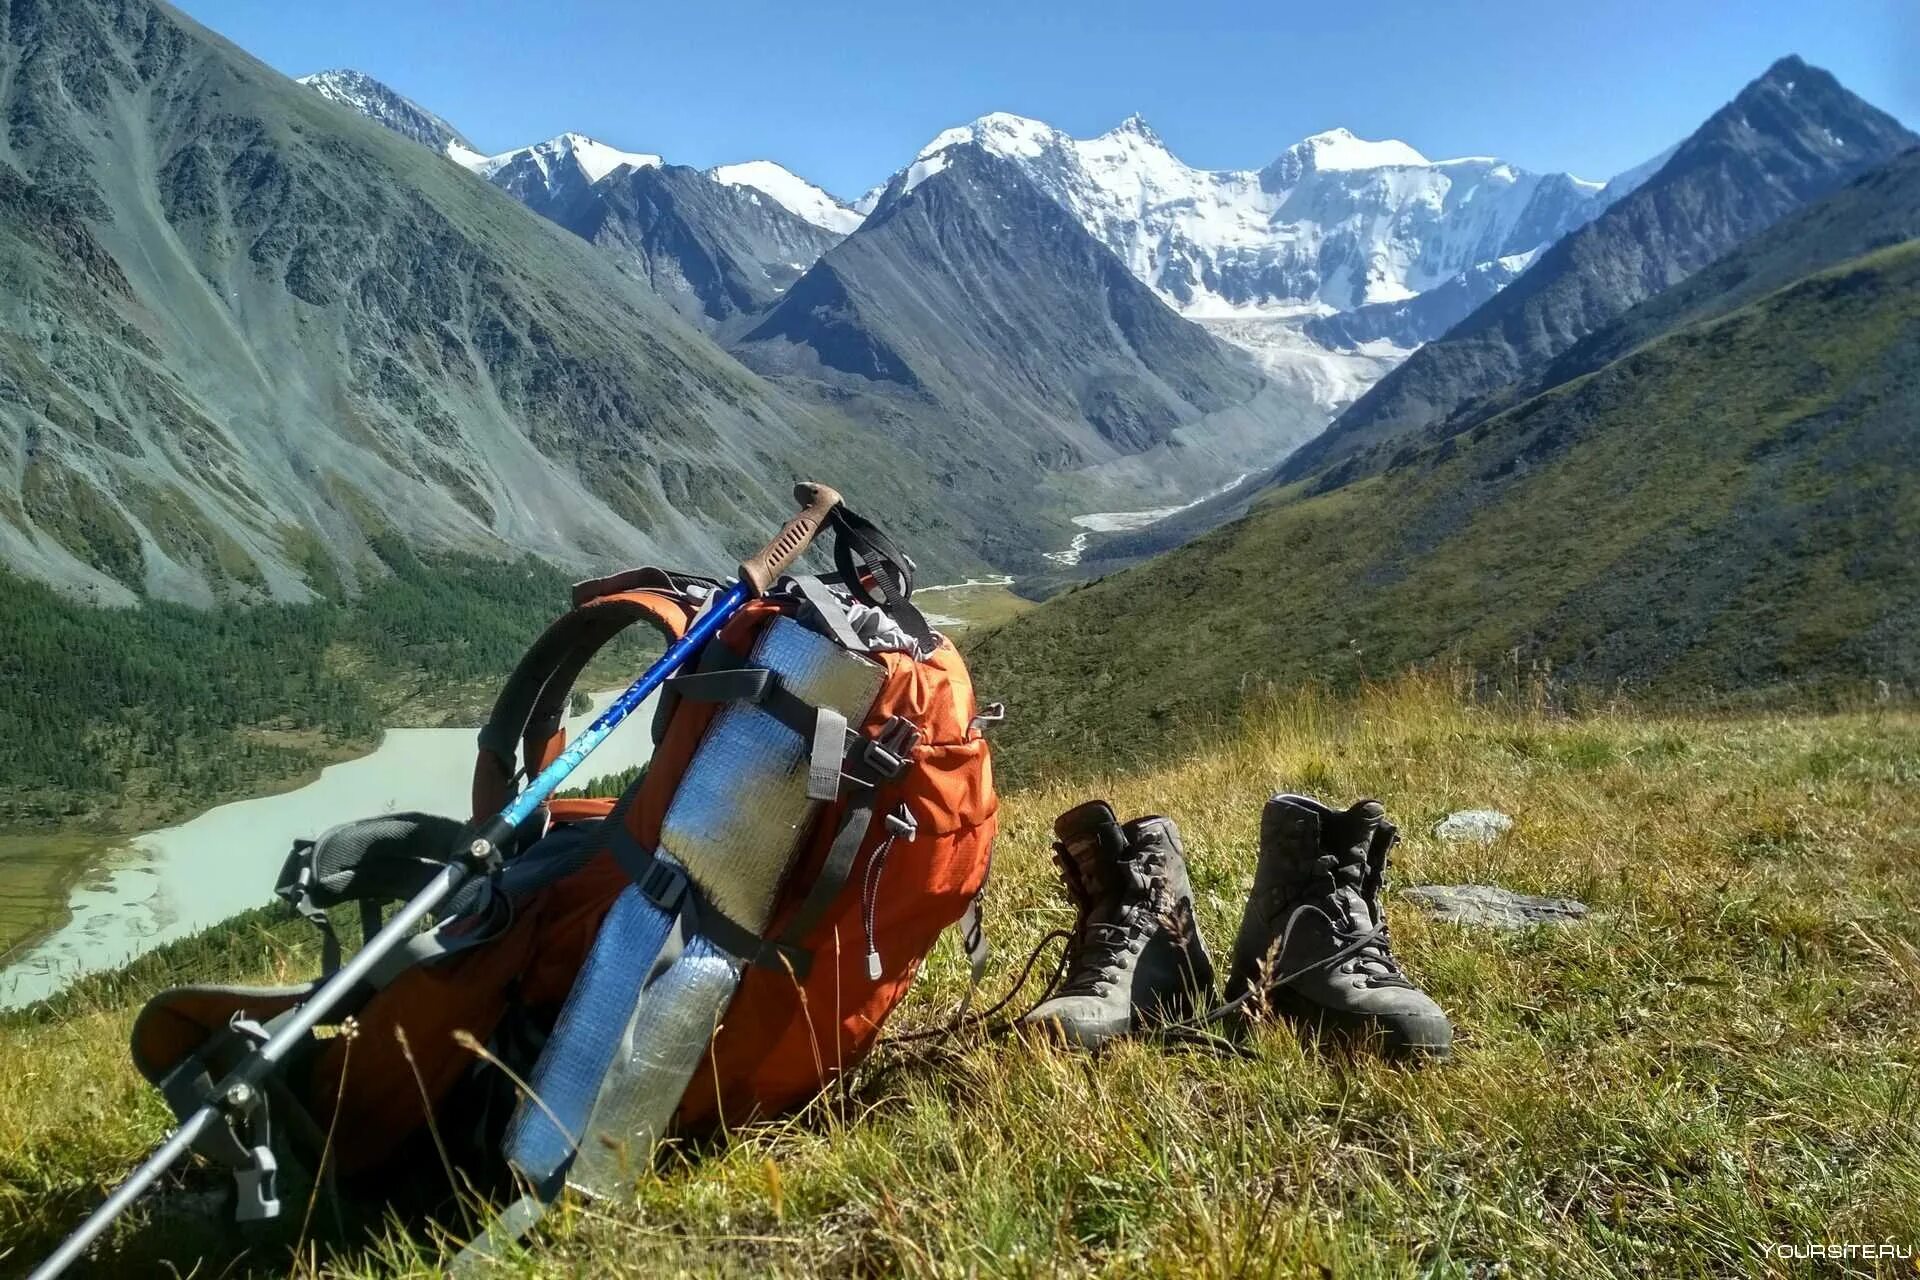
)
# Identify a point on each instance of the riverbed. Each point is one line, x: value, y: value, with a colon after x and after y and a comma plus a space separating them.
x: 1126, y: 522
x: 178, y: 880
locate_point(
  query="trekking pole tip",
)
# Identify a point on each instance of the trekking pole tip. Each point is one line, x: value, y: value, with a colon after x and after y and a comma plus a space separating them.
x: 817, y: 502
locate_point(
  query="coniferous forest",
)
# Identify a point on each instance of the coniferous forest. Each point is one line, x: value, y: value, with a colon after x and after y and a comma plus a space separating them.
x: 135, y: 714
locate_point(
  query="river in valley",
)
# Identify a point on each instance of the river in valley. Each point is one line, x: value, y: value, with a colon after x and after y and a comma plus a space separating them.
x: 169, y: 883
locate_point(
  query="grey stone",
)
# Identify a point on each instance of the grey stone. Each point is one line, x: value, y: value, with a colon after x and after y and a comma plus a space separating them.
x: 1482, y: 826
x: 1493, y: 907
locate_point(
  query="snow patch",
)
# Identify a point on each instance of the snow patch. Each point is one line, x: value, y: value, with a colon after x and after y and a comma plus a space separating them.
x: 1339, y: 149
x: 592, y: 158
x: 791, y: 192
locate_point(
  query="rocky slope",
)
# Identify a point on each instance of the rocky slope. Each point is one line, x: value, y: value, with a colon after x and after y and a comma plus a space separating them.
x: 1339, y: 243
x: 360, y: 92
x: 1788, y: 138
x: 245, y: 331
x: 716, y: 250
x: 971, y: 296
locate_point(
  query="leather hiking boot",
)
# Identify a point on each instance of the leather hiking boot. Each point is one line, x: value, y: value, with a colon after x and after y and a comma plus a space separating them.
x: 1313, y: 943
x: 1136, y: 960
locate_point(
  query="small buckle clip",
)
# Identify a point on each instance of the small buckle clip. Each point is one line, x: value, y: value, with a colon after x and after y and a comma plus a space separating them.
x: 886, y: 754
x: 664, y: 885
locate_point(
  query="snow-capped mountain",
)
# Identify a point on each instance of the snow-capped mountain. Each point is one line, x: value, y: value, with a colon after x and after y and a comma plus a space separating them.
x: 1334, y: 225
x: 792, y: 192
x: 361, y: 92
x: 549, y: 174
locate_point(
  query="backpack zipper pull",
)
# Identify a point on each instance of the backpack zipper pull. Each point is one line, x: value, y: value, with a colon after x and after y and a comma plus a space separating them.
x: 899, y: 823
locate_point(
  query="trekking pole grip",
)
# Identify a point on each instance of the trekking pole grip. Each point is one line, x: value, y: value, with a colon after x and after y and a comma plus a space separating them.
x: 818, y: 501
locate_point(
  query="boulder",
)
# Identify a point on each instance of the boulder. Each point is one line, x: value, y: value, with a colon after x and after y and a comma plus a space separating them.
x: 1492, y: 907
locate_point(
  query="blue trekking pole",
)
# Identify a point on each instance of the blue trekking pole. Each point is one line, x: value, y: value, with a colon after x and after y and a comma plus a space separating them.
x: 238, y: 1099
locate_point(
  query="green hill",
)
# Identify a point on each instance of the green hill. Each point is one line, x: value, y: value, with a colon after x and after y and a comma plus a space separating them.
x: 1732, y: 508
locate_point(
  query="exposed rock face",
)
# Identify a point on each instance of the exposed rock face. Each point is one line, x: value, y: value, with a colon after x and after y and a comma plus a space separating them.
x: 246, y: 333
x: 1789, y: 138
x: 1492, y: 907
x: 969, y: 291
x: 361, y: 92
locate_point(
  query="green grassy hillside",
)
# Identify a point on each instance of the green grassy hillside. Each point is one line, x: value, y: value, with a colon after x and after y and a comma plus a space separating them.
x: 1732, y: 509
x: 1721, y: 1060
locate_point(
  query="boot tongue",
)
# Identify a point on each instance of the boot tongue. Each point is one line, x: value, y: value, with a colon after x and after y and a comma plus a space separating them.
x: 1090, y: 835
x: 1346, y: 840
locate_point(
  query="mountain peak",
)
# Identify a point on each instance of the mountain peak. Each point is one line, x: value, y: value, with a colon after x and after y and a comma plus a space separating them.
x: 1000, y: 132
x: 381, y: 103
x: 595, y: 158
x: 1136, y: 124
x: 1799, y: 107
x: 1787, y: 68
x: 792, y: 192
x: 1337, y: 149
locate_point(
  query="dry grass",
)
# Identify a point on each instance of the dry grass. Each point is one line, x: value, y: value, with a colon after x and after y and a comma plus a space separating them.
x: 1723, y: 1058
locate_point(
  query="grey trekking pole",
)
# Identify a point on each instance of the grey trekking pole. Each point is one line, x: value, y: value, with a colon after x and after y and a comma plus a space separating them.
x: 239, y: 1094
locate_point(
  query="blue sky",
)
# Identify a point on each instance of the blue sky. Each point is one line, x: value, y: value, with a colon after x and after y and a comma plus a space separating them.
x: 844, y: 93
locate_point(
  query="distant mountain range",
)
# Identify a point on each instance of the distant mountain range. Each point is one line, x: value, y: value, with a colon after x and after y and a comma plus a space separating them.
x: 249, y: 334
x: 1335, y: 228
x: 1710, y: 497
x: 1328, y: 265
x: 1791, y: 136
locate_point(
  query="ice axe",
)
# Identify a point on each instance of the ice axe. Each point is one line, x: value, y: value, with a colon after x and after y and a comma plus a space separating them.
x: 239, y: 1098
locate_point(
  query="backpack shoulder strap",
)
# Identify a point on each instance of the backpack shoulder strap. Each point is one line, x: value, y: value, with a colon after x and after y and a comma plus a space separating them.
x: 524, y: 729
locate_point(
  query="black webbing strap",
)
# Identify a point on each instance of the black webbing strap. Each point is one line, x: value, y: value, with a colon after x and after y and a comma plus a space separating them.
x: 832, y: 614
x: 834, y: 873
x: 824, y: 729
x: 878, y: 573
x: 973, y: 937
x: 295, y: 888
x: 533, y: 701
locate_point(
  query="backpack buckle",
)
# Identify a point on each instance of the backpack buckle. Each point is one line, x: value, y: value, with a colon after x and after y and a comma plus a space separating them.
x: 885, y: 755
x: 664, y: 884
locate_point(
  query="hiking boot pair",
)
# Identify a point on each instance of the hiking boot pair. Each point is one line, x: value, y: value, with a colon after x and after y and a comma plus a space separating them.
x: 1313, y: 944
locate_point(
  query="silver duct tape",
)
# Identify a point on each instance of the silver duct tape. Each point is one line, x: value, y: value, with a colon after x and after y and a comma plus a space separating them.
x: 664, y: 1043
x: 741, y: 808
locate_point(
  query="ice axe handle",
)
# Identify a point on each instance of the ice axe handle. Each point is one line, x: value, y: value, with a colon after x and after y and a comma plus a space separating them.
x: 760, y: 571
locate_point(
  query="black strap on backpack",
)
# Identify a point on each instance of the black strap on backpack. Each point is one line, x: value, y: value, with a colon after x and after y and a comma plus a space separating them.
x: 877, y: 573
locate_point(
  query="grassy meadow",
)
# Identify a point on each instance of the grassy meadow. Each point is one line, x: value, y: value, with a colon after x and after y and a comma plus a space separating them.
x: 1722, y: 1059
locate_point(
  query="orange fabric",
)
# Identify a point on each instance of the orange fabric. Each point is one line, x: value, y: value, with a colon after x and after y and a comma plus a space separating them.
x: 781, y: 1041
x: 380, y: 1098
x: 175, y: 1023
x: 584, y: 809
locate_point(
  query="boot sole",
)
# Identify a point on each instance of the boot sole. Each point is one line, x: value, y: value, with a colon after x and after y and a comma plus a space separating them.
x: 1400, y: 1040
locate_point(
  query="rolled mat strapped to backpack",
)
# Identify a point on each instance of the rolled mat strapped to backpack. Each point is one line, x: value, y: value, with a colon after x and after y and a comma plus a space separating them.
x: 719, y: 944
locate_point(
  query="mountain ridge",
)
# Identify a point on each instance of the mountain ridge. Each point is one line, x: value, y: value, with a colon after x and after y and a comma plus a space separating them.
x: 1771, y: 149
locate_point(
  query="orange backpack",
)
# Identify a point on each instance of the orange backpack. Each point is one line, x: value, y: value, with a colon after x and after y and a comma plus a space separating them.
x: 899, y: 853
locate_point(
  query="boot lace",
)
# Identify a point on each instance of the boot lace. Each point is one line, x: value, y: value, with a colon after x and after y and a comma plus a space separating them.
x: 1366, y: 952
x: 1099, y: 947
